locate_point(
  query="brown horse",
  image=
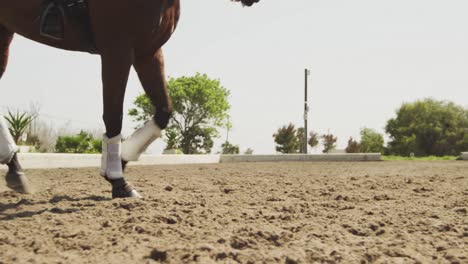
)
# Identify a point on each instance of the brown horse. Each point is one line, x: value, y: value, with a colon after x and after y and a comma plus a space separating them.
x: 124, y: 33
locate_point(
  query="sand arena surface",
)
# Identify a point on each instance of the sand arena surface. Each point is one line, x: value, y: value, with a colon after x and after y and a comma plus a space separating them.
x: 374, y: 212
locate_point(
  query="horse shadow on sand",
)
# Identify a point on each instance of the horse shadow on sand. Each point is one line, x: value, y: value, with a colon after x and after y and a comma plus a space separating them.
x: 53, y: 201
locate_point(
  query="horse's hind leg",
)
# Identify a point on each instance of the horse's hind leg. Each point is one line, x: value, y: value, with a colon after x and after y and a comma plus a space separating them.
x: 15, y: 177
x: 5, y: 39
x: 150, y: 70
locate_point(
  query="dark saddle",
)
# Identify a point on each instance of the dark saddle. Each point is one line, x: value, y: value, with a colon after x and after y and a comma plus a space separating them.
x: 54, y: 13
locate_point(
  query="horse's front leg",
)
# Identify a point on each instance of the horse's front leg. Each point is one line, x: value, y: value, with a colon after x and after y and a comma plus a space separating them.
x: 116, y: 66
x: 150, y: 70
x: 15, y: 177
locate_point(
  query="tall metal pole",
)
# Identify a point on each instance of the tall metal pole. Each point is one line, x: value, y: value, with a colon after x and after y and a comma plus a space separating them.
x: 306, y: 110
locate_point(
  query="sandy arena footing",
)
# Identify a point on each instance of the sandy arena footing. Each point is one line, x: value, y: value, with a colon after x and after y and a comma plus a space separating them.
x: 281, y: 212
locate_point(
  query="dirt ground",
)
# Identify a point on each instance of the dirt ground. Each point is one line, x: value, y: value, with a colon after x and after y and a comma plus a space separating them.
x: 374, y: 212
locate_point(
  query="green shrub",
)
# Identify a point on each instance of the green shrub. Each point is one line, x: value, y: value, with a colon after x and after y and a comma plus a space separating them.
x: 80, y: 143
x: 229, y: 148
x: 353, y: 146
x: 18, y: 122
x: 371, y: 141
x: 428, y: 127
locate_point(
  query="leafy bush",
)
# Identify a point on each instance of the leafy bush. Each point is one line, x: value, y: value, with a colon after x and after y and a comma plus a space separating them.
x: 18, y: 123
x: 371, y: 141
x: 80, y: 143
x: 229, y: 148
x: 43, y: 136
x: 33, y: 140
x: 428, y: 127
x: 286, y: 139
x: 172, y: 139
x: 313, y: 139
x: 353, y: 146
x: 329, y: 142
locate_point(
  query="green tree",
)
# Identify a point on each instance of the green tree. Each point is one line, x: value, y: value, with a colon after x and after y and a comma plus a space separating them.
x: 313, y: 139
x: 371, y: 141
x: 200, y: 107
x: 144, y: 109
x: 353, y: 146
x: 18, y: 123
x: 228, y: 148
x: 80, y: 143
x: 286, y: 139
x: 428, y: 127
x: 329, y: 142
x: 198, y: 140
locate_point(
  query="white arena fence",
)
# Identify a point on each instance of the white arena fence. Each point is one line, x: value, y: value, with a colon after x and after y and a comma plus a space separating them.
x: 464, y: 156
x: 43, y: 161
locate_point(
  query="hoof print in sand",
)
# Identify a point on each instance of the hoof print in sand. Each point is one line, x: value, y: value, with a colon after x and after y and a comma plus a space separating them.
x: 158, y: 255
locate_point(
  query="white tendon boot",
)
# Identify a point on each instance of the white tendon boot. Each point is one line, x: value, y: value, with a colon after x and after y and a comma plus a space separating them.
x: 111, y: 168
x: 111, y: 165
x: 8, y: 147
x: 136, y: 144
x: 15, y: 177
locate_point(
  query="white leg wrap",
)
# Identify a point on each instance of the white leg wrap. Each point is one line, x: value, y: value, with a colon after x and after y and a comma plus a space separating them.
x: 136, y: 144
x: 111, y: 164
x: 8, y: 147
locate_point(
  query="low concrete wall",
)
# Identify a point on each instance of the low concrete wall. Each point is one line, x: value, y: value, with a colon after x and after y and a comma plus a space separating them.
x: 46, y: 161
x: 177, y: 159
x: 41, y: 161
x: 464, y: 156
x: 302, y: 157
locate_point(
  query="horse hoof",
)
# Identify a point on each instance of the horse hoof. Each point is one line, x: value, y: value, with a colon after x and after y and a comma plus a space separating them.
x: 122, y: 189
x: 131, y: 194
x: 18, y: 182
x: 125, y: 192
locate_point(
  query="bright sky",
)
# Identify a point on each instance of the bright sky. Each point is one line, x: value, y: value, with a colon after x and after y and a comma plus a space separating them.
x: 366, y: 57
